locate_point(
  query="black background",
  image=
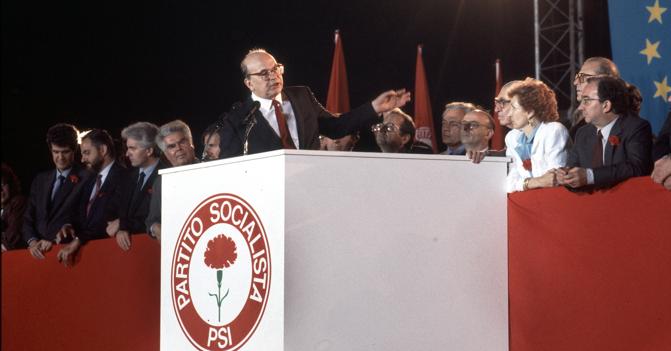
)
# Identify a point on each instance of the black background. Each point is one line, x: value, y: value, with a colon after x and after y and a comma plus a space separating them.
x: 106, y: 64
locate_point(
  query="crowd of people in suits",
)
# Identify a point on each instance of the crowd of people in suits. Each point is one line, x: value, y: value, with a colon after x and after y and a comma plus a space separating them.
x: 118, y: 194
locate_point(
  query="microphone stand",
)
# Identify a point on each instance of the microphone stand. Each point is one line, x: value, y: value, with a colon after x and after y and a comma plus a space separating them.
x: 248, y: 129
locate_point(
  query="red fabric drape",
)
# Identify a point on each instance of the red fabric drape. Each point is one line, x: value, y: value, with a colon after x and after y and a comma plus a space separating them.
x: 337, y: 99
x: 423, y: 115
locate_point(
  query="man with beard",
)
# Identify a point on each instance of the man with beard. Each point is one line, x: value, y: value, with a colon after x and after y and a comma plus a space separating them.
x: 99, y: 200
x: 175, y: 140
x: 53, y: 194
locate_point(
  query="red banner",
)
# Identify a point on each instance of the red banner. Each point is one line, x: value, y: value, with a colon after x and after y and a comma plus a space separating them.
x: 423, y: 115
x: 337, y: 99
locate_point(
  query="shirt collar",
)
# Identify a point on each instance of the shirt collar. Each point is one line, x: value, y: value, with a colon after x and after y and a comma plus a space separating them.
x: 105, y: 171
x: 266, y: 103
x: 149, y: 169
x: 63, y: 173
x: 605, y: 131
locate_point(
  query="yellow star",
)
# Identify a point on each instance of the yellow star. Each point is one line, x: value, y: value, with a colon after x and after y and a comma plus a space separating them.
x: 650, y: 50
x: 656, y: 12
x: 662, y: 89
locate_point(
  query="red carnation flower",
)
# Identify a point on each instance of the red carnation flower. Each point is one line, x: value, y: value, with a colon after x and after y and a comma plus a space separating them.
x: 150, y: 190
x: 614, y: 140
x: 220, y: 252
x: 100, y: 194
x: 73, y: 178
x: 527, y: 164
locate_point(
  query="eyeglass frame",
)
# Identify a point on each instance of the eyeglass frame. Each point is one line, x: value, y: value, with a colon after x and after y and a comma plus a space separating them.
x: 468, y: 125
x: 501, y: 102
x: 582, y: 101
x: 265, y: 74
x: 582, y: 77
x: 385, y: 128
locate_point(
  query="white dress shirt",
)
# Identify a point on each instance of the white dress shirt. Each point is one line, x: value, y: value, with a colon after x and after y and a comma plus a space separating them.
x: 268, y: 112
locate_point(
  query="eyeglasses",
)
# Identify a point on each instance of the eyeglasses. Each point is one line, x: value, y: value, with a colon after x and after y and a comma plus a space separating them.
x: 265, y: 74
x: 452, y: 124
x: 384, y: 128
x: 584, y: 100
x: 468, y: 126
x: 582, y: 77
x: 501, y: 102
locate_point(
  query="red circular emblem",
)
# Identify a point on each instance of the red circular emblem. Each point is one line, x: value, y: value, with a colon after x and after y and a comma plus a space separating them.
x: 220, y: 276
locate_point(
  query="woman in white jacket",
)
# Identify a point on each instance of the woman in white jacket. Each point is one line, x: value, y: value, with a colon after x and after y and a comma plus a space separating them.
x: 540, y: 147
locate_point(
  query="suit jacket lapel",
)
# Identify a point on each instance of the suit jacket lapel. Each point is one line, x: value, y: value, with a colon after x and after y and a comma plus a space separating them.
x: 616, y: 131
x: 299, y: 120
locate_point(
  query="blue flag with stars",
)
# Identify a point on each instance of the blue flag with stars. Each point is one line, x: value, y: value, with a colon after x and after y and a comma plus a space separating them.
x: 640, y: 36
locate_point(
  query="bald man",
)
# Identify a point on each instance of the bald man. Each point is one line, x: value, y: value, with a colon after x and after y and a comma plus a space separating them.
x: 291, y: 117
x: 477, y: 129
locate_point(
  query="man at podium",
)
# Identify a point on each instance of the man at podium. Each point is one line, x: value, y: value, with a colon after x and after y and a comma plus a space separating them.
x: 291, y: 117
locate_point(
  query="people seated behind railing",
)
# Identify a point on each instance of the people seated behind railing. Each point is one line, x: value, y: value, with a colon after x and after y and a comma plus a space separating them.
x: 540, y: 146
x: 477, y: 128
x: 13, y: 207
x: 54, y: 193
x: 614, y: 145
x: 176, y: 142
x: 396, y: 134
x: 211, y: 141
x: 451, y: 126
x: 144, y: 156
x: 99, y: 200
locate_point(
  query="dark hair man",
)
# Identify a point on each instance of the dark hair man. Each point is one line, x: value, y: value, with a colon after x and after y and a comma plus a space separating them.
x: 396, y: 134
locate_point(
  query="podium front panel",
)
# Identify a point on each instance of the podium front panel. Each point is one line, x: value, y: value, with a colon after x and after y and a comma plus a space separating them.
x: 366, y: 252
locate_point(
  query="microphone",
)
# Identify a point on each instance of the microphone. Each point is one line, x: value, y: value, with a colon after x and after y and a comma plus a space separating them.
x: 255, y: 107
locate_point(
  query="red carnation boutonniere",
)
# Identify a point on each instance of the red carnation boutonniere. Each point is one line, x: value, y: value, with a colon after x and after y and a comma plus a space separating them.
x: 73, y: 178
x: 100, y: 194
x: 613, y: 140
x: 150, y: 190
x: 527, y: 164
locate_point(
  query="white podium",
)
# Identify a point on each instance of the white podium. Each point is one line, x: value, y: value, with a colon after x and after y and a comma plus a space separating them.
x: 312, y: 250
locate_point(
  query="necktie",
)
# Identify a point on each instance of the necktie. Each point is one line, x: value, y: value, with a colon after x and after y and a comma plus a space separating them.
x: 57, y: 186
x: 140, y: 182
x: 285, y: 136
x: 92, y: 199
x: 138, y: 187
x: 597, y: 156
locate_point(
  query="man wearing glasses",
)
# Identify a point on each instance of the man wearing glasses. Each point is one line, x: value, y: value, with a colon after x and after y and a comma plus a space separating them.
x: 615, y: 143
x: 477, y: 128
x: 396, y: 134
x: 291, y: 117
x: 593, y: 66
x: 451, y: 130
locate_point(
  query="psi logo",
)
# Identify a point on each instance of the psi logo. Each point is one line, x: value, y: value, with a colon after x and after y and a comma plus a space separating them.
x: 220, y: 273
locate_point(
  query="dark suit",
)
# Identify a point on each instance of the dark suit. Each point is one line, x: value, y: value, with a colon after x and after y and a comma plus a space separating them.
x: 104, y: 208
x: 311, y: 121
x: 662, y: 146
x: 44, y: 218
x: 630, y: 157
x: 134, y: 206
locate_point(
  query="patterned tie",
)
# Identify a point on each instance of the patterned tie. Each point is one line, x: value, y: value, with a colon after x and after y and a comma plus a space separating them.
x: 92, y: 199
x: 597, y: 156
x: 57, y: 186
x: 285, y: 136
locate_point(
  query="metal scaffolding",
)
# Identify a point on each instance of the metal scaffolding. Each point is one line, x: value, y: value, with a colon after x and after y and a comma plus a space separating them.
x: 558, y: 49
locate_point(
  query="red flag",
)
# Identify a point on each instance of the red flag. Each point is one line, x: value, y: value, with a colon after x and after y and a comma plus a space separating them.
x: 497, y: 139
x: 423, y: 116
x: 338, y: 95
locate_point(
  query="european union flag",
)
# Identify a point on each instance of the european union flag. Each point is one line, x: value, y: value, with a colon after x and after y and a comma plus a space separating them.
x: 640, y: 35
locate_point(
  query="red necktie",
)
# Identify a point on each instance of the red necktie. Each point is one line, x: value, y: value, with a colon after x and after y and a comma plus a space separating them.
x: 99, y: 181
x: 285, y: 136
x: 597, y: 156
